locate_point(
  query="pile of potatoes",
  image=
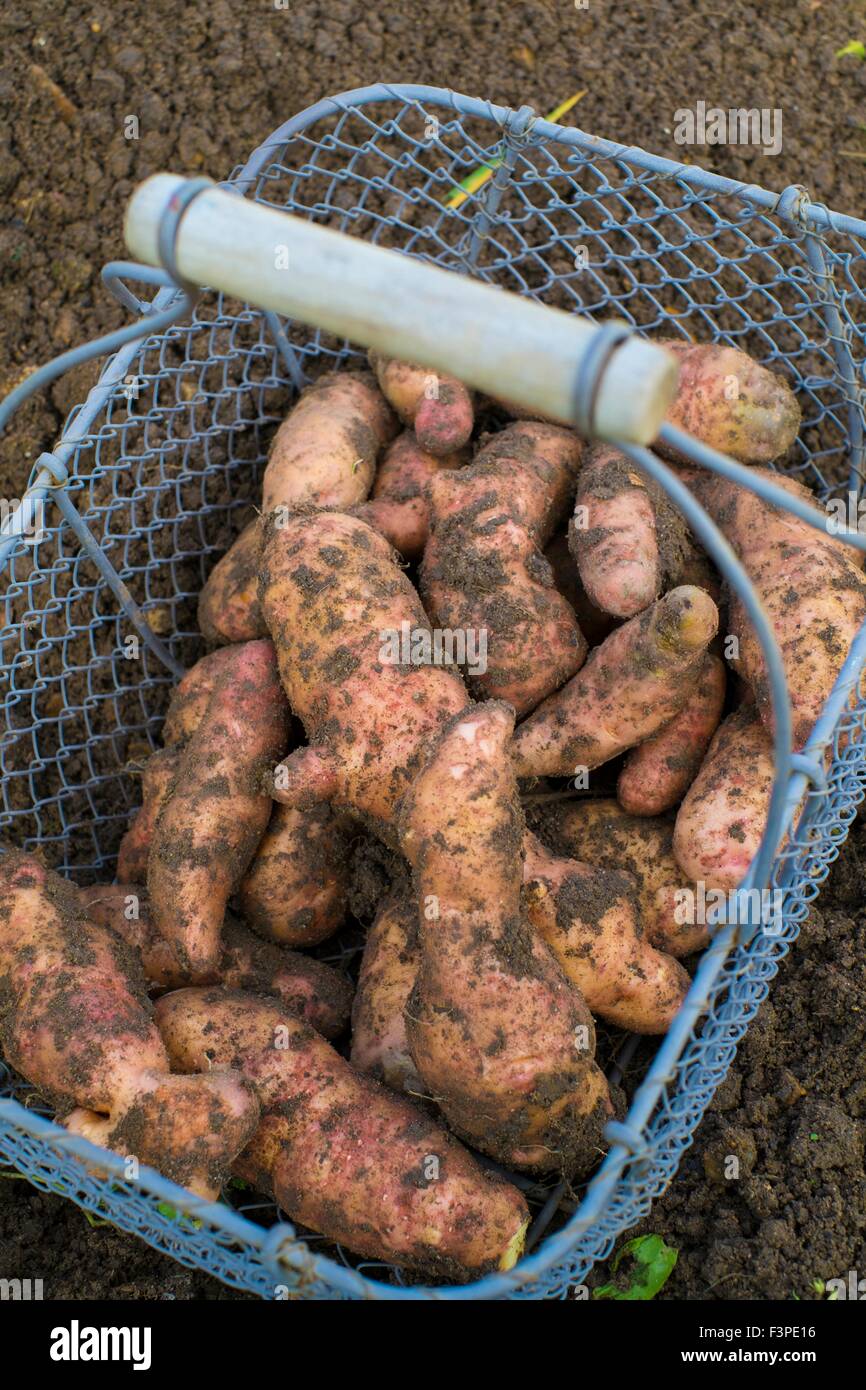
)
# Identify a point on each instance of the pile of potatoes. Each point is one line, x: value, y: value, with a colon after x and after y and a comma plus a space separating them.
x: 176, y: 1014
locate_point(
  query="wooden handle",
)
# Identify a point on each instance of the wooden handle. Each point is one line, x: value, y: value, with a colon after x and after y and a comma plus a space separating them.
x: 493, y: 340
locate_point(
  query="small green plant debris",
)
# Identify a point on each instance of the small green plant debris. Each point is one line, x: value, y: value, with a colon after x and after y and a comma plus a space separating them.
x: 819, y: 1288
x: 172, y: 1214
x: 94, y: 1221
x: 653, y: 1264
x: 853, y: 49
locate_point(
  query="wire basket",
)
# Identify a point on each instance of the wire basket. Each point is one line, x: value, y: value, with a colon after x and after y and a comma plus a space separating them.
x: 158, y: 470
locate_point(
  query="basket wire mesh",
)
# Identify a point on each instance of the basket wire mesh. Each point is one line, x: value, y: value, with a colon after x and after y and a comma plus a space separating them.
x: 157, y: 471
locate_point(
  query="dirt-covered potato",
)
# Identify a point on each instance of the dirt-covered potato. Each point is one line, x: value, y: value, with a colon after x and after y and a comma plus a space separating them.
x: 438, y: 407
x: 310, y: 988
x: 484, y: 570
x: 598, y: 831
x: 389, y: 967
x: 337, y: 606
x: 730, y: 402
x: 75, y: 1021
x: 590, y: 918
x: 499, y: 1036
x: 341, y: 1154
x: 631, y: 686
x: 218, y: 806
x: 657, y: 773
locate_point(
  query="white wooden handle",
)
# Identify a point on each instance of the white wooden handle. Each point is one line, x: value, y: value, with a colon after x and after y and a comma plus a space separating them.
x: 495, y: 341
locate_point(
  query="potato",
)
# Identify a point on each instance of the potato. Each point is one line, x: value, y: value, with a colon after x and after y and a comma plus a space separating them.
x: 399, y: 508
x: 389, y: 966
x: 188, y: 704
x: 76, y: 1023
x: 331, y: 593
x: 657, y: 773
x: 613, y: 535
x: 209, y: 828
x: 324, y: 453
x: 598, y: 831
x: 309, y: 988
x: 809, y: 585
x: 629, y: 543
x: 190, y: 696
x: 500, y: 1038
x: 593, y: 622
x: 590, y: 918
x: 294, y: 891
x: 341, y: 1154
x: 631, y: 686
x: 731, y: 403
x: 134, y: 851
x: 228, y: 605
x: 483, y: 569
x: 439, y: 407
x: 724, y: 813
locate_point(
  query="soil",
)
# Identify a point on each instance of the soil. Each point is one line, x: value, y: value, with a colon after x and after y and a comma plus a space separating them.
x: 206, y: 82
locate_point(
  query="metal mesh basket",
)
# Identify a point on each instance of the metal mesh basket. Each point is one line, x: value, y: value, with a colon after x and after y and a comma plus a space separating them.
x: 158, y: 470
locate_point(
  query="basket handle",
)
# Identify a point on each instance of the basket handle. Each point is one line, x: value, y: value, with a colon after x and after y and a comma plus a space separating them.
x: 601, y: 377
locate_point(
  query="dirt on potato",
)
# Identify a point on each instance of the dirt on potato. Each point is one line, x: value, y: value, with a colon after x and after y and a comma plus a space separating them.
x: 199, y: 86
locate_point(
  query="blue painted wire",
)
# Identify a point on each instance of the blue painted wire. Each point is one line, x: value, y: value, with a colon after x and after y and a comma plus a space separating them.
x: 100, y: 347
x: 770, y: 492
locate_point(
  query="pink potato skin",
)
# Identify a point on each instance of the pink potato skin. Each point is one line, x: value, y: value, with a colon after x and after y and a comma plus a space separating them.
x: 188, y: 704
x: 190, y: 696
x: 134, y: 851
x: 590, y: 919
x: 340, y: 1153
x: 294, y: 891
x: 228, y: 606
x: 810, y: 586
x: 399, y: 507
x: 218, y: 809
x: 77, y: 1024
x: 633, y: 684
x: 499, y: 1036
x: 389, y: 967
x: 731, y: 403
x: 330, y: 588
x: 657, y: 774
x: 439, y: 407
x: 324, y: 454
x: 309, y: 988
x: 598, y: 831
x: 484, y: 570
x: 613, y: 537
x: 721, y: 822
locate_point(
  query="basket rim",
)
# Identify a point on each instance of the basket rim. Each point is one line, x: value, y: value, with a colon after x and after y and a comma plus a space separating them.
x: 792, y: 202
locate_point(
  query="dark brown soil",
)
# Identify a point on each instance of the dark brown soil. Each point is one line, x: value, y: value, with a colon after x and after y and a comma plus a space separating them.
x: 208, y: 82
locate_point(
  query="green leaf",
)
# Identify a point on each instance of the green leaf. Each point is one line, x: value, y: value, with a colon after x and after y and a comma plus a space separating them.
x: 94, y: 1221
x: 172, y: 1214
x: 653, y: 1263
x: 854, y: 48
